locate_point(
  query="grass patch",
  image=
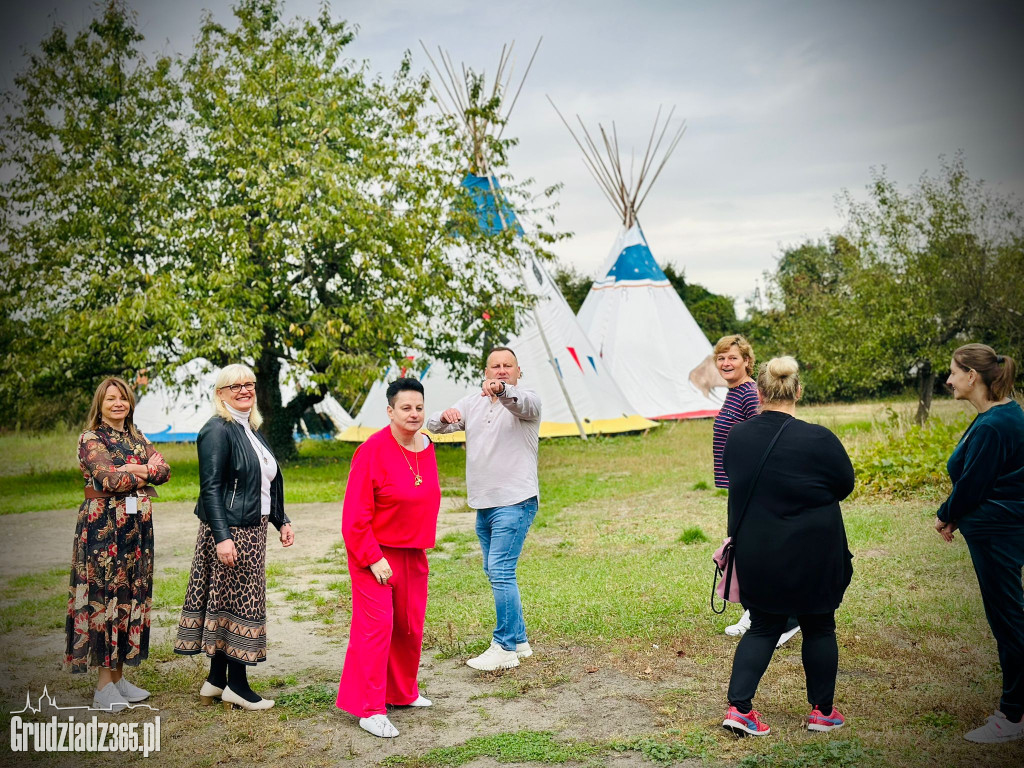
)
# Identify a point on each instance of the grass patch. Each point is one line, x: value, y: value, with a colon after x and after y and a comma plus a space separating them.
x: 826, y: 753
x: 521, y: 747
x: 696, y: 744
x: 692, y: 535
x: 45, y: 613
x: 513, y: 686
x: 452, y: 647
x: 36, y: 583
x: 169, y: 588
x: 307, y: 701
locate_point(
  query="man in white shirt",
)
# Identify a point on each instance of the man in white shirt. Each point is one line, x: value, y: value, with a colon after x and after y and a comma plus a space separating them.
x: 502, y: 426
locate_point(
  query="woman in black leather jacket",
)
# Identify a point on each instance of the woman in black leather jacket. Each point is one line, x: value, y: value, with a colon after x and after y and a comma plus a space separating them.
x: 240, y: 489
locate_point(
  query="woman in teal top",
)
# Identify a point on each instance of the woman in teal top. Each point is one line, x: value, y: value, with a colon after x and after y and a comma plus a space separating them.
x: 987, y: 505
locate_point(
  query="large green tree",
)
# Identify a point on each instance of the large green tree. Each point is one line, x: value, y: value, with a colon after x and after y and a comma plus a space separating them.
x: 917, y: 273
x: 323, y: 233
x: 93, y: 182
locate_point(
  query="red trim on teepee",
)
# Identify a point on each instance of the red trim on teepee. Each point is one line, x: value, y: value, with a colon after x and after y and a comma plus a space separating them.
x: 572, y: 351
x: 687, y: 415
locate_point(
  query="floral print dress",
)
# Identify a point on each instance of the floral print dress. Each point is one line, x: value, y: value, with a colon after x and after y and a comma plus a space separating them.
x: 111, y: 587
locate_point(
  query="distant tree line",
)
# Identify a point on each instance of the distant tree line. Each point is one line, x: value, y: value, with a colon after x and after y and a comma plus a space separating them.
x: 914, y: 274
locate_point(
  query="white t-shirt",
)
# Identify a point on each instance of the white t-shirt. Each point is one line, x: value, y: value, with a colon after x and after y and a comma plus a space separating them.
x: 501, y: 446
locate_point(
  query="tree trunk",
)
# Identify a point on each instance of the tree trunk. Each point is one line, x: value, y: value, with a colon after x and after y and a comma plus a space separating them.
x: 277, y: 425
x: 925, y: 385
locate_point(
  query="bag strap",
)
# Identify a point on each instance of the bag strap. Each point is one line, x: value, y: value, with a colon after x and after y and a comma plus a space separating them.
x: 757, y: 476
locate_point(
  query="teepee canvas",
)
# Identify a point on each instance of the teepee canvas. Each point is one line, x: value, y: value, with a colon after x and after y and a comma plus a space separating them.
x: 632, y: 314
x: 579, y: 397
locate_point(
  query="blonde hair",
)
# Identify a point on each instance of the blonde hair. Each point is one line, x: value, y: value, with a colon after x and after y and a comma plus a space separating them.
x: 778, y: 380
x: 741, y: 344
x: 95, y: 416
x: 233, y: 374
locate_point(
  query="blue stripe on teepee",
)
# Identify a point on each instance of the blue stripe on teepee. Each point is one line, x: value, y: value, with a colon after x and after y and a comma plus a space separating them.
x: 592, y: 363
x: 480, y: 189
x: 636, y: 263
x: 559, y: 367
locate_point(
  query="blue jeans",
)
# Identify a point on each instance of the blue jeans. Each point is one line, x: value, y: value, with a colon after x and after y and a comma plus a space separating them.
x: 502, y: 531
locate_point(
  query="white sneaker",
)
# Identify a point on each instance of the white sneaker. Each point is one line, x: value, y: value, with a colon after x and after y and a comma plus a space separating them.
x: 109, y: 699
x: 495, y: 657
x: 786, y: 636
x: 523, y: 650
x: 422, y: 701
x: 740, y: 627
x: 996, y: 730
x: 133, y: 693
x: 379, y: 726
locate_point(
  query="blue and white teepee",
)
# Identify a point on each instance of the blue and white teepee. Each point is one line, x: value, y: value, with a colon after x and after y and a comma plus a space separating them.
x: 640, y: 326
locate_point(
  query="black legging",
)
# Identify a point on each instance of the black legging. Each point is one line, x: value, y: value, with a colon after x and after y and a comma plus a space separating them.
x: 998, y: 560
x: 820, y: 654
x: 233, y: 673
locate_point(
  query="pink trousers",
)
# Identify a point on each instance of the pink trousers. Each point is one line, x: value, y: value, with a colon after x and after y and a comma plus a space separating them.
x: 386, y: 637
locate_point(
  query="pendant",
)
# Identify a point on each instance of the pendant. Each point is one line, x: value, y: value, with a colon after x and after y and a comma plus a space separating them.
x: 419, y: 480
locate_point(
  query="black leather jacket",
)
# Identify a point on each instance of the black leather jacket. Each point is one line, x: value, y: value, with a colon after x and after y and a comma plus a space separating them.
x: 229, y: 480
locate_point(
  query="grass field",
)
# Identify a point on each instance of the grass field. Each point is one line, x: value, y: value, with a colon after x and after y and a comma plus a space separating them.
x: 616, y: 578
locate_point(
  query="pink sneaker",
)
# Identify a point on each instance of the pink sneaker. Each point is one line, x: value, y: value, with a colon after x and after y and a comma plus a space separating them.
x: 743, y: 724
x: 819, y: 722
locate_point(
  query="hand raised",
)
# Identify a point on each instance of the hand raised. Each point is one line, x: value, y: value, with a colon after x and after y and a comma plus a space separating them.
x: 492, y: 388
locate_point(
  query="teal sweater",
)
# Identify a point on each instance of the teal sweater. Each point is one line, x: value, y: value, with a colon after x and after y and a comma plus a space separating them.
x: 987, y: 470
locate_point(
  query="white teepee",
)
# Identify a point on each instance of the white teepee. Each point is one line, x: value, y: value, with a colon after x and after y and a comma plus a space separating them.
x: 641, y: 328
x: 175, y: 415
x: 578, y: 395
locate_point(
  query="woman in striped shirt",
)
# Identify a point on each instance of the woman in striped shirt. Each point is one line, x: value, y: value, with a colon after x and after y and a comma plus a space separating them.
x: 734, y: 358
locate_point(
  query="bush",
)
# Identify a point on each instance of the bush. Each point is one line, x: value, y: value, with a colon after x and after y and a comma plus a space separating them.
x: 908, y: 459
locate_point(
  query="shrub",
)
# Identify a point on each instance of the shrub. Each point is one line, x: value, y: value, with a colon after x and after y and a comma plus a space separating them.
x: 907, y: 459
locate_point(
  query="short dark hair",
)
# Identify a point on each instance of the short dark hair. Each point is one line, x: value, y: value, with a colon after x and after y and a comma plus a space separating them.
x: 500, y: 349
x: 404, y: 384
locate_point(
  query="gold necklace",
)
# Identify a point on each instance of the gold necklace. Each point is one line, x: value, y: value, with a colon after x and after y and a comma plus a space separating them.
x: 415, y: 472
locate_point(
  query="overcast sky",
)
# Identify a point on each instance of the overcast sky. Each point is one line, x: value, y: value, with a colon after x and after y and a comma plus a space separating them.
x: 786, y: 102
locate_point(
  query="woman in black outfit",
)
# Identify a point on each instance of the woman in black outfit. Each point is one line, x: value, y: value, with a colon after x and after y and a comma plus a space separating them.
x: 790, y: 545
x: 240, y: 490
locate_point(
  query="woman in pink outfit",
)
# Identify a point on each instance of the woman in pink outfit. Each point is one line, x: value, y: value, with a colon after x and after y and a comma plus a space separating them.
x: 389, y: 519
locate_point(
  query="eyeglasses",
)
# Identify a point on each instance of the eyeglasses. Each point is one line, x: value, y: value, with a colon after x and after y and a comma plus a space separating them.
x: 248, y: 386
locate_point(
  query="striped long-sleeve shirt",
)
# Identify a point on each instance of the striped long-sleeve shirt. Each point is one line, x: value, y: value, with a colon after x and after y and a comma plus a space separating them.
x: 741, y: 403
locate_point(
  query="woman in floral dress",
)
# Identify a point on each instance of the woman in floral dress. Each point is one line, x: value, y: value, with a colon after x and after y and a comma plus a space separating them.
x: 111, y: 588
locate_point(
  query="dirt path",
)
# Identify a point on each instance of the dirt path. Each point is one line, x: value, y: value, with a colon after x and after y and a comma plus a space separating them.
x: 567, y: 690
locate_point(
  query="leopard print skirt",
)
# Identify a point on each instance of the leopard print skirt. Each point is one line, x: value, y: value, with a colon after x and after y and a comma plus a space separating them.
x: 226, y: 608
